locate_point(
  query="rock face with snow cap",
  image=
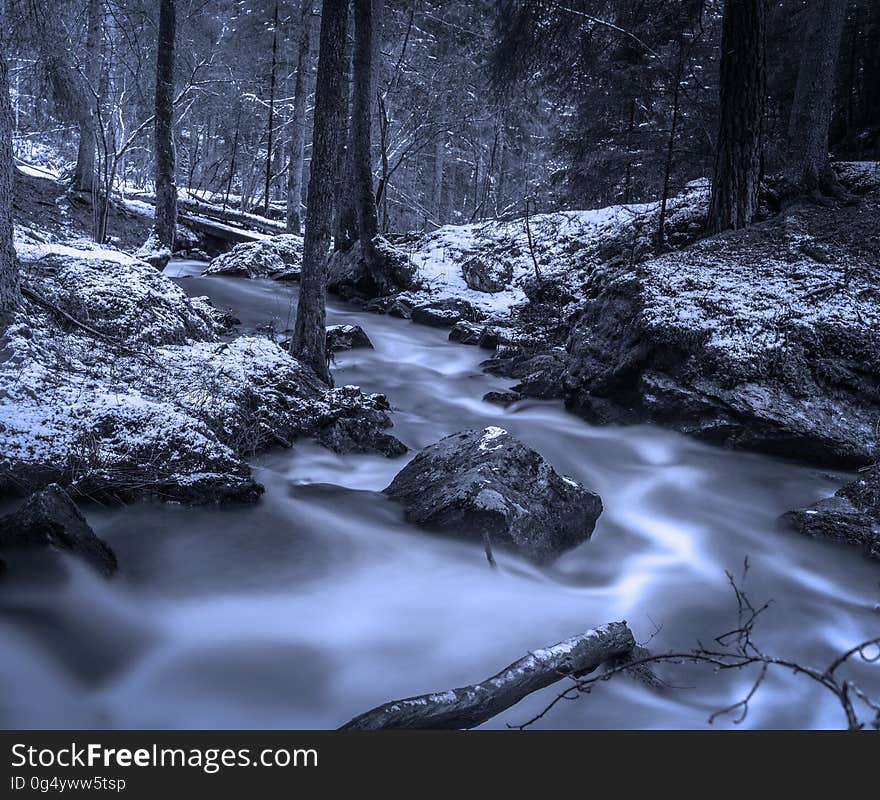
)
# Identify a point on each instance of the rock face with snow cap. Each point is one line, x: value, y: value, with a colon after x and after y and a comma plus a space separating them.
x: 487, y: 275
x: 764, y: 339
x: 278, y: 257
x: 486, y: 484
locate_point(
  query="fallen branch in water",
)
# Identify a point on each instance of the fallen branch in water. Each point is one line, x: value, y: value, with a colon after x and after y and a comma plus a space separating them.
x: 737, y: 650
x: 473, y: 705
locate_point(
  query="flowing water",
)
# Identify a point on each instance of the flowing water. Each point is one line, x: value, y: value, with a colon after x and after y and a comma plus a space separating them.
x: 321, y: 602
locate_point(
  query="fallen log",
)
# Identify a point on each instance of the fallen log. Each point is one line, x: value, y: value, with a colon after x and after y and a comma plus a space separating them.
x: 473, y: 705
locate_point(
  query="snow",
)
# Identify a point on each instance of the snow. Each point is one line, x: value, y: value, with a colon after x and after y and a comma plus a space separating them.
x: 490, y: 436
x: 567, y: 245
x: 742, y: 306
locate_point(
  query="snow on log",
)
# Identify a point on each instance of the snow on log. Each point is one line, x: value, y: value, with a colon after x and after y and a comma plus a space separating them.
x: 471, y: 706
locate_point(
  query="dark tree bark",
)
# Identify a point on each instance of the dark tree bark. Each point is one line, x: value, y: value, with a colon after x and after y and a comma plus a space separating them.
x: 808, y: 165
x: 308, y: 343
x: 345, y: 214
x: 670, y: 148
x: 734, y: 200
x: 9, y: 283
x: 84, y: 174
x: 298, y: 137
x: 270, y: 127
x: 166, y: 190
x: 361, y: 141
x: 473, y: 705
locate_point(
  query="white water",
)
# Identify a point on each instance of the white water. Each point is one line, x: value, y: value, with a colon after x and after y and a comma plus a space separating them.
x: 320, y: 602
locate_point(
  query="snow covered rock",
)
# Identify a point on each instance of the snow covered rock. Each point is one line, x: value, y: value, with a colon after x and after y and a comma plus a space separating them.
x: 851, y: 516
x: 154, y: 253
x: 49, y: 518
x: 349, y: 421
x: 278, y: 257
x: 347, y: 272
x: 445, y: 313
x: 465, y: 332
x: 117, y: 295
x: 488, y: 485
x: 484, y: 275
x: 347, y: 337
x: 765, y: 339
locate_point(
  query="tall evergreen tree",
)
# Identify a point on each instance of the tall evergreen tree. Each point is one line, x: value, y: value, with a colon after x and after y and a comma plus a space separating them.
x: 361, y: 139
x: 166, y: 188
x: 84, y: 173
x: 743, y: 89
x: 808, y: 163
x: 9, y: 280
x: 309, y: 341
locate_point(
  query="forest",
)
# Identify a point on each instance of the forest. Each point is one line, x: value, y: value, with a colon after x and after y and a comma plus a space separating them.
x: 351, y: 350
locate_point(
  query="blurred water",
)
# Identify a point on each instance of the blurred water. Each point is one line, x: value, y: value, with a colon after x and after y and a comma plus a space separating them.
x: 321, y: 602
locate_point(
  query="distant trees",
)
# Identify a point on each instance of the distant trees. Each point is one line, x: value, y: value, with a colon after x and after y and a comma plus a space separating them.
x: 309, y: 337
x: 165, y: 223
x: 9, y: 282
x: 743, y: 87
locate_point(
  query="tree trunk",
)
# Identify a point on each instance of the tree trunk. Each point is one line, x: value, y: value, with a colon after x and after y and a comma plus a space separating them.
x: 298, y: 137
x: 84, y: 174
x: 473, y: 705
x: 439, y: 164
x: 270, y: 131
x: 734, y: 199
x: 361, y: 140
x: 308, y: 343
x: 345, y: 213
x: 808, y: 165
x: 166, y: 191
x: 9, y: 284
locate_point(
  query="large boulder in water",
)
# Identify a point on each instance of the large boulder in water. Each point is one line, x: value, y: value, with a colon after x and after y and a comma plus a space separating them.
x: 347, y: 337
x: 278, y: 257
x: 851, y: 516
x: 445, y: 313
x: 49, y: 518
x: 486, y: 484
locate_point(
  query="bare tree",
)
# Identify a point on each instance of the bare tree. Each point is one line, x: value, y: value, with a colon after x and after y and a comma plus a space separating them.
x: 298, y: 135
x: 165, y: 222
x: 734, y: 198
x: 9, y: 281
x: 309, y: 338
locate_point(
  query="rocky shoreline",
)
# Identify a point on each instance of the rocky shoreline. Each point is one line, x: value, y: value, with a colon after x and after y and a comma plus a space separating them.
x: 765, y: 340
x: 118, y: 386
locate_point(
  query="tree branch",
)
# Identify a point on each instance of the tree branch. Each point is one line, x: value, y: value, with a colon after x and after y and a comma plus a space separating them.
x: 471, y: 706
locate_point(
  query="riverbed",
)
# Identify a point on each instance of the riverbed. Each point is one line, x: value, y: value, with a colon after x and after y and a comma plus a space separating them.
x: 320, y: 601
